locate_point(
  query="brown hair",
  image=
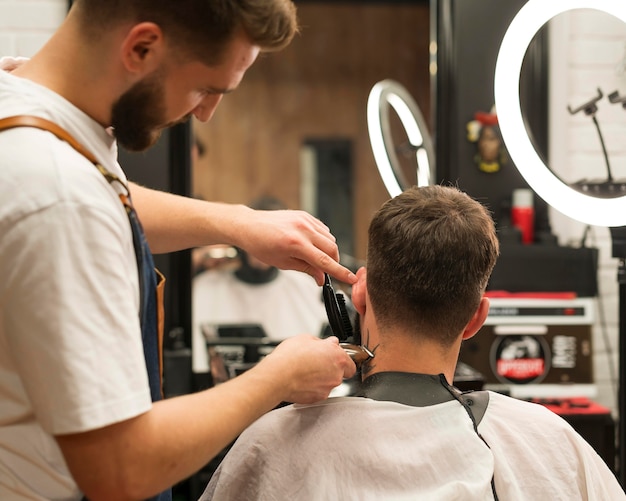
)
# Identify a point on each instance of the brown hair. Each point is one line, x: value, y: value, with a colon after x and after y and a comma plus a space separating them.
x: 431, y: 252
x: 202, y: 28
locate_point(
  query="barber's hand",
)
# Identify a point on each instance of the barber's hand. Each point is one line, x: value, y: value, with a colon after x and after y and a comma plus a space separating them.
x: 309, y: 367
x: 293, y: 240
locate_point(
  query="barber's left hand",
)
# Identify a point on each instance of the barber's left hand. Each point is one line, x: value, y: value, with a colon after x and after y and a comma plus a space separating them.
x: 294, y: 240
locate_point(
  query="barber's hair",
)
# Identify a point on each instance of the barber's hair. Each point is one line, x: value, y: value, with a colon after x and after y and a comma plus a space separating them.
x: 201, y: 28
x: 431, y: 252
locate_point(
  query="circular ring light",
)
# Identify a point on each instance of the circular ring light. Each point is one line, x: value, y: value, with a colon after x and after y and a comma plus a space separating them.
x: 529, y: 20
x: 390, y: 93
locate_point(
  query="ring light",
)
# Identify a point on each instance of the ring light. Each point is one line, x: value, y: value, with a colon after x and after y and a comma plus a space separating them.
x: 529, y: 20
x: 390, y: 93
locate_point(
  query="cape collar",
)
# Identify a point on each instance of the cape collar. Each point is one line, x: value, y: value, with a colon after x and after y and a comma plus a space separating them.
x: 421, y: 390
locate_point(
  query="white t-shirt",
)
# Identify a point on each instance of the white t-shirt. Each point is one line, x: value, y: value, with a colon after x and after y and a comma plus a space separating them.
x: 71, y: 357
x: 289, y: 305
x: 353, y: 448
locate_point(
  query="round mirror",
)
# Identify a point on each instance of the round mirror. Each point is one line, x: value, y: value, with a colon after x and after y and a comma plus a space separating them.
x: 386, y: 94
x: 564, y: 198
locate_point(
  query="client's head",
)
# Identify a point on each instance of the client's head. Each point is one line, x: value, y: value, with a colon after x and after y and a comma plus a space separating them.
x: 430, y: 254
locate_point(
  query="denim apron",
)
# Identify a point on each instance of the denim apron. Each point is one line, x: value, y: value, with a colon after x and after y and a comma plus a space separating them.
x: 151, y: 282
x: 151, y: 287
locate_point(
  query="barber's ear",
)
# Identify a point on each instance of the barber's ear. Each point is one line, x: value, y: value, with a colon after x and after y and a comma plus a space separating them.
x: 143, y: 48
x: 478, y: 319
x: 359, y: 291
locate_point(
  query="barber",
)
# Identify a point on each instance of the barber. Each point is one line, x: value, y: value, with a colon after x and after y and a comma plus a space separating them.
x: 80, y: 408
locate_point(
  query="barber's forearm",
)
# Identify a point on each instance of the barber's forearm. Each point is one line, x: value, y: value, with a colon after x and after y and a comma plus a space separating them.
x: 202, y: 424
x: 290, y: 240
x: 145, y: 455
x: 172, y: 222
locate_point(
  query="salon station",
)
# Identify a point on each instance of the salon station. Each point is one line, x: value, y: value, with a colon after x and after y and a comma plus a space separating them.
x: 522, y: 109
x: 519, y: 103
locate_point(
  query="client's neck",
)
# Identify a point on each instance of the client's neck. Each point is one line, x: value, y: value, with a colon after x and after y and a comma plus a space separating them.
x: 402, y: 352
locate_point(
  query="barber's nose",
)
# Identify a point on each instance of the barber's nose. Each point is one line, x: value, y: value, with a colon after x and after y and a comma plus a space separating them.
x: 204, y: 111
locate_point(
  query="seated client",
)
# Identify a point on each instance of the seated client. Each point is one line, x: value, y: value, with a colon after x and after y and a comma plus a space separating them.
x: 410, y: 434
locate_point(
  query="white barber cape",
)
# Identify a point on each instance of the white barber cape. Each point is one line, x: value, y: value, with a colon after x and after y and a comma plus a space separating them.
x: 354, y: 448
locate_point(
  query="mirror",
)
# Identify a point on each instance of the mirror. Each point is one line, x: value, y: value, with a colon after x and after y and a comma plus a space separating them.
x: 389, y: 96
x: 315, y: 92
x: 296, y: 128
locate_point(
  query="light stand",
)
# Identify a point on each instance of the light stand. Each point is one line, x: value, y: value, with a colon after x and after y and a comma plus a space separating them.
x: 611, y: 188
x: 590, y: 108
x: 618, y: 236
x: 608, y: 210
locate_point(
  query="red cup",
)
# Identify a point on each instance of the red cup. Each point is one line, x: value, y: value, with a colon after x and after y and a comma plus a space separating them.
x: 523, y: 214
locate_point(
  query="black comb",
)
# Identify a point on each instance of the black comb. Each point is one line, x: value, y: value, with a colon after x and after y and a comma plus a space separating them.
x: 345, y: 318
x: 336, y: 311
x: 340, y: 324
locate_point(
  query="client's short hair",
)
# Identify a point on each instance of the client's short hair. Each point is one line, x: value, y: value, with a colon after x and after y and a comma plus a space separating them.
x: 431, y: 251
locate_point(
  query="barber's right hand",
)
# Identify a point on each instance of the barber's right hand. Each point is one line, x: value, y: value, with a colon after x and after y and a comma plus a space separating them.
x: 309, y: 366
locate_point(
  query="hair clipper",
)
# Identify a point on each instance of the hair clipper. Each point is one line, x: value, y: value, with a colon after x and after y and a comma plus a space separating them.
x: 341, y: 325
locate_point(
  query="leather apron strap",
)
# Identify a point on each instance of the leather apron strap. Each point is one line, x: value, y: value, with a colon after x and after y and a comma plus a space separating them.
x: 42, y: 123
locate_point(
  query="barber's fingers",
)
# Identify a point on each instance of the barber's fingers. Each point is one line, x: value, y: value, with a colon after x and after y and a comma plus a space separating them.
x: 321, y: 255
x: 311, y: 367
x: 344, y: 360
x: 333, y: 268
x: 298, y: 241
x: 349, y: 367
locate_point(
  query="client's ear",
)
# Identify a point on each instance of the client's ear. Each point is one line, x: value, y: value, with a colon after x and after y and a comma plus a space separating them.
x: 359, y: 291
x: 478, y: 319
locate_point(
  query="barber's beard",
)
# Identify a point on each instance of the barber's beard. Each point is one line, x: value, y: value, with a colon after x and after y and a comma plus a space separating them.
x: 138, y: 116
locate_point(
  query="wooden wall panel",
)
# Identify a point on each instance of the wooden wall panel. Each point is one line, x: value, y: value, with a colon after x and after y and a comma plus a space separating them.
x: 316, y: 88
